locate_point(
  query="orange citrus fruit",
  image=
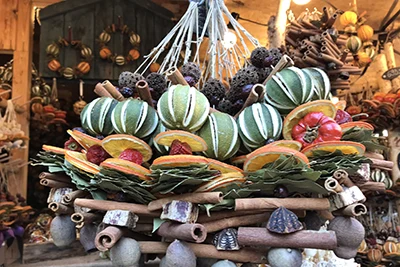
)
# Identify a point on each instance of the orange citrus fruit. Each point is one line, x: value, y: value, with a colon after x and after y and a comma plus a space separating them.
x: 117, y: 143
x: 287, y: 143
x: 293, y: 118
x: 239, y: 160
x: 221, y: 181
x: 266, y: 154
x: 54, y: 149
x: 126, y: 167
x: 222, y: 167
x: 79, y: 161
x: 347, y: 147
x: 84, y: 140
x: 196, y: 143
x: 360, y: 124
x: 179, y: 160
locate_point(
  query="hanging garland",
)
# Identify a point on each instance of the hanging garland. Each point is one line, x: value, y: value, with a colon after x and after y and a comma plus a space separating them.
x: 53, y: 52
x: 105, y: 38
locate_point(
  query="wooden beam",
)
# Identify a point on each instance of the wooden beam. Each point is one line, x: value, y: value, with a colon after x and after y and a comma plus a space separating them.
x: 8, y: 24
x: 44, y: 3
x: 22, y: 75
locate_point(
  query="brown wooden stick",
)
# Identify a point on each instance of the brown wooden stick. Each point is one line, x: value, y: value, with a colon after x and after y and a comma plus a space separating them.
x: 192, y: 232
x: 175, y: 76
x: 372, y: 186
x: 60, y: 177
x: 143, y: 227
x: 256, y: 94
x: 215, y: 226
x: 289, y: 203
x: 198, y: 198
x: 253, y: 236
x: 329, y: 59
x: 353, y: 210
x: 208, y: 251
x: 60, y: 208
x: 215, y: 216
x: 382, y: 163
x: 55, y: 184
x: 101, y: 91
x: 107, y: 238
x: 112, y: 205
x: 70, y: 197
x: 144, y: 92
x: 112, y: 90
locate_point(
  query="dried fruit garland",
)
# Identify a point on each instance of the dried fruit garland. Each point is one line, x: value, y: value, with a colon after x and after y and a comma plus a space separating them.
x: 53, y: 52
x: 105, y: 38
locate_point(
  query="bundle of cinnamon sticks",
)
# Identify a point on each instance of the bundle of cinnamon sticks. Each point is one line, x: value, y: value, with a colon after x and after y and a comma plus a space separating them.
x: 322, y: 47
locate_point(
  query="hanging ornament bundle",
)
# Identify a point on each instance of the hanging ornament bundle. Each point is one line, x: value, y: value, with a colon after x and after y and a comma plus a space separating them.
x: 105, y: 37
x: 69, y: 72
x: 80, y: 104
x: 227, y: 50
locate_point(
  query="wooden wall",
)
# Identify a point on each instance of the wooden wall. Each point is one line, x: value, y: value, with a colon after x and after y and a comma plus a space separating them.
x: 8, y: 24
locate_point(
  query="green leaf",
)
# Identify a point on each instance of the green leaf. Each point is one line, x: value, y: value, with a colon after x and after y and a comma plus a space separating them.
x: 226, y: 204
x: 99, y: 195
x: 157, y: 223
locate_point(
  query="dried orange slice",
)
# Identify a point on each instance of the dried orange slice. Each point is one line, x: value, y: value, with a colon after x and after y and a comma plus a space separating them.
x: 360, y: 124
x: 54, y: 149
x: 179, y: 160
x: 79, y: 161
x: 293, y: 118
x: 347, y: 147
x: 287, y: 143
x: 221, y: 182
x: 266, y: 154
x: 84, y: 140
x: 117, y: 143
x: 341, y: 105
x: 239, y: 160
x: 126, y: 167
x: 223, y: 167
x: 196, y: 143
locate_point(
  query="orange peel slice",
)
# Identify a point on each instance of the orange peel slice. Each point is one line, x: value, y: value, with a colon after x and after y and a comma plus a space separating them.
x: 79, y: 161
x: 294, y: 117
x: 179, y: 160
x: 266, y: 154
x: 360, y: 124
x: 287, y: 143
x: 347, y: 147
x: 223, y: 167
x: 221, y: 181
x: 54, y: 149
x: 86, y: 141
x: 117, y: 143
x: 196, y: 143
x: 126, y: 167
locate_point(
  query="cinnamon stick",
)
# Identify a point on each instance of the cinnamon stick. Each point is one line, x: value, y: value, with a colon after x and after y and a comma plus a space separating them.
x: 372, y: 186
x: 86, y: 217
x: 215, y: 226
x: 343, y: 57
x: 175, y: 76
x: 107, y: 238
x: 70, y: 197
x: 54, y: 184
x: 333, y: 185
x: 382, y: 163
x: 331, y: 20
x: 112, y: 90
x: 250, y: 255
x: 192, y: 232
x: 289, y: 203
x: 328, y: 59
x: 356, y: 209
x: 256, y: 94
x: 101, y: 91
x: 112, y: 205
x: 60, y: 208
x: 312, y: 61
x: 253, y: 236
x: 60, y: 177
x: 144, y: 92
x: 143, y: 227
x: 215, y: 216
x: 197, y: 198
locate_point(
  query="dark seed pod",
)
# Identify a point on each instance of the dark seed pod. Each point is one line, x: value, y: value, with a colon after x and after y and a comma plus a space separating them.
x: 191, y: 69
x: 157, y: 82
x: 226, y: 240
x: 214, y: 90
x: 258, y: 55
x: 129, y: 79
x: 284, y: 221
x: 226, y: 106
x: 243, y: 77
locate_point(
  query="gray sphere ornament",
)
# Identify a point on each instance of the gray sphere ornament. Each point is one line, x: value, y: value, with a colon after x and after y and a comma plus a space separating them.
x: 285, y: 257
x: 126, y: 253
x: 63, y: 231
